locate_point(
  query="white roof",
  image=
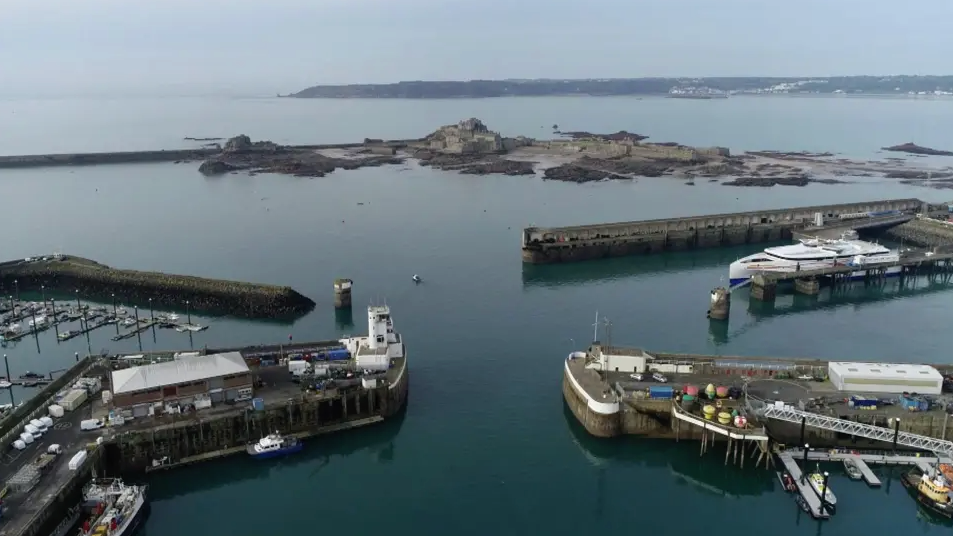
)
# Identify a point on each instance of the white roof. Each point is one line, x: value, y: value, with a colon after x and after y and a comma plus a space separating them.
x: 849, y: 369
x: 179, y: 371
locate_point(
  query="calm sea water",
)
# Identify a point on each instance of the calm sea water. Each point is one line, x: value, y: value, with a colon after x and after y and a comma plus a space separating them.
x: 486, y: 445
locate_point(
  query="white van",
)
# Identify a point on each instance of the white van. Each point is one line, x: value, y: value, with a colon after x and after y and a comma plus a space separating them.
x: 91, y: 424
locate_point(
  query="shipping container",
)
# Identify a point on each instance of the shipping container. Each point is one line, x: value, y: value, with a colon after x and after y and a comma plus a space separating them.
x: 56, y: 411
x: 661, y: 392
x: 339, y: 355
x: 258, y: 404
x: 862, y: 402
x: 369, y: 383
x: 73, y: 400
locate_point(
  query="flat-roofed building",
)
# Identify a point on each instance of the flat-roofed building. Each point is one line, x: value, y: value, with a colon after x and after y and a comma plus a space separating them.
x: 885, y: 378
x: 217, y: 377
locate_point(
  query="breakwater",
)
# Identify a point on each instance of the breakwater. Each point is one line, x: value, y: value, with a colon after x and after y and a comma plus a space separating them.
x: 172, y: 155
x: 91, y: 279
x: 541, y: 245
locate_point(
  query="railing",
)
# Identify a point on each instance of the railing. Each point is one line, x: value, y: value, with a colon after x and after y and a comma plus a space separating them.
x: 877, y: 433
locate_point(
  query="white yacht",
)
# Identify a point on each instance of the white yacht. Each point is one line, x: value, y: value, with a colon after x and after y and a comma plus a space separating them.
x: 814, y: 254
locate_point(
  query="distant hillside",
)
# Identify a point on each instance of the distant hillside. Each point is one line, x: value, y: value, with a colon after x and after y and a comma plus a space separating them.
x: 880, y: 85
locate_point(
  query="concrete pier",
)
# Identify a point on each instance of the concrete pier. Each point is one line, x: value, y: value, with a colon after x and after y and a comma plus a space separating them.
x: 342, y: 293
x: 807, y: 285
x: 566, y: 244
x: 720, y: 305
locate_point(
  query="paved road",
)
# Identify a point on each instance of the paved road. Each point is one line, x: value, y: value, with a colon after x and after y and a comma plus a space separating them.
x: 19, y: 508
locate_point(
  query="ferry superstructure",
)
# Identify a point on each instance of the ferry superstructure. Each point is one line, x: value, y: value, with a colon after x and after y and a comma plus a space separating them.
x: 814, y: 254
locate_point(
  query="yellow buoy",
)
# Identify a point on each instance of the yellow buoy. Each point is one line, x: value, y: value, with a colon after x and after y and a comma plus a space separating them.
x: 709, y: 411
x: 724, y: 417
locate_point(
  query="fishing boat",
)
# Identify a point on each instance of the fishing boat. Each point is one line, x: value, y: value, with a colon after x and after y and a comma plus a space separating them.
x: 933, y: 492
x: 4, y: 384
x: 817, y: 482
x: 853, y: 471
x: 115, y: 509
x: 274, y: 445
x: 129, y: 322
x: 190, y: 327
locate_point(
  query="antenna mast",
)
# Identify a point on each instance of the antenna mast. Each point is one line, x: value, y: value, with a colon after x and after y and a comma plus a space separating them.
x: 595, y: 329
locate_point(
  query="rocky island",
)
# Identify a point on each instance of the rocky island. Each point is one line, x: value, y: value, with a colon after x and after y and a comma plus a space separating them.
x: 913, y: 148
x: 241, y: 154
x: 469, y: 147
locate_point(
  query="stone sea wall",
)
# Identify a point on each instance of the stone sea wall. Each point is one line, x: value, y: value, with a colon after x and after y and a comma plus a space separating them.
x: 94, y: 280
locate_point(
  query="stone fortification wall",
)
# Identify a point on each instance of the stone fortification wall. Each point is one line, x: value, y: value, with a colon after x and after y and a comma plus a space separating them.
x: 91, y: 279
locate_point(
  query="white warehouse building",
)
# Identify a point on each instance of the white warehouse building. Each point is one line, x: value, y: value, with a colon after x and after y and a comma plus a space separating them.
x: 885, y: 378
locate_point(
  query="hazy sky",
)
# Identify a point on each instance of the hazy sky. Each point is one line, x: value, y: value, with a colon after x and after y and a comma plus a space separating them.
x: 63, y: 47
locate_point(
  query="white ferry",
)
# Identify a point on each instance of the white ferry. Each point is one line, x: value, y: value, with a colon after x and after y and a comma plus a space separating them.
x: 814, y: 254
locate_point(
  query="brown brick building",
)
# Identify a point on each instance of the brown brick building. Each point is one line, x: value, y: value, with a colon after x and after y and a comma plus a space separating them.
x: 220, y: 377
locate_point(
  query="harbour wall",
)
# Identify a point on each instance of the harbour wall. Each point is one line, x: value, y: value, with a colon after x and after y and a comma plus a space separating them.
x: 90, y: 279
x: 542, y: 245
x: 172, y: 155
x: 199, y: 437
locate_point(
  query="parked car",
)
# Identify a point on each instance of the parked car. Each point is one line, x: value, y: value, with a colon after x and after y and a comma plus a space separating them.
x: 637, y: 376
x: 659, y: 377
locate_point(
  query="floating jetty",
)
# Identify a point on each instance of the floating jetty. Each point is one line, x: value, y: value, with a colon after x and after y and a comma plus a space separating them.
x: 541, y: 245
x: 67, y: 273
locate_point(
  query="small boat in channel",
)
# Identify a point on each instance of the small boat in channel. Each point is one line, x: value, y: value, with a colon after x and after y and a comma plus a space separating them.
x: 273, y: 446
x: 853, y: 472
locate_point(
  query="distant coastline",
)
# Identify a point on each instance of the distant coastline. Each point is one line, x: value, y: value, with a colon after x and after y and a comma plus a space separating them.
x: 899, y: 86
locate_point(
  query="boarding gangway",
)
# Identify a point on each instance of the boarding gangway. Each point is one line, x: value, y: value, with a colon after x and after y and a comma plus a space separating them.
x: 793, y: 415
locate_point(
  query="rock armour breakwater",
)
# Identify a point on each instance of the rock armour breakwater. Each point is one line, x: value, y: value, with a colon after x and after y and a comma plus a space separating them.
x: 92, y: 279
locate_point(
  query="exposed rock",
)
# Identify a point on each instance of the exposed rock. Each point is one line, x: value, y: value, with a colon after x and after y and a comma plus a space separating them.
x: 790, y: 155
x: 500, y: 166
x: 765, y: 182
x: 913, y: 148
x: 242, y: 144
x: 475, y: 164
x: 579, y: 174
x: 918, y: 174
x: 215, y: 167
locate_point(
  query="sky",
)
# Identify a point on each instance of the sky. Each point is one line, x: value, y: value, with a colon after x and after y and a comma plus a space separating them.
x: 244, y: 47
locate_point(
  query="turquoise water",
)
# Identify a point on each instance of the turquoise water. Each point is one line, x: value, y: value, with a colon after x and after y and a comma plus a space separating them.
x: 486, y: 445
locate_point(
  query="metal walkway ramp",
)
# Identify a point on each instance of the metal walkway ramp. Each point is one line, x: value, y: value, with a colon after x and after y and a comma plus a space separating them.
x: 906, y: 439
